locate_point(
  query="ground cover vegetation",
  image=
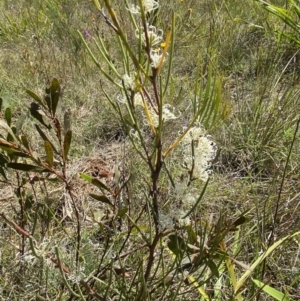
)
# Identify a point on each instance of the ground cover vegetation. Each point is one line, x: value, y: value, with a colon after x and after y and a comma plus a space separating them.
x: 149, y: 150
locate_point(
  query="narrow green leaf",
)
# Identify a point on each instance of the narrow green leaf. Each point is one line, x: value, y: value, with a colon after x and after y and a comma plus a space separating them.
x: 20, y: 122
x: 171, y: 54
x: 198, y: 200
x: 12, y: 149
x: 36, y: 98
x: 2, y: 172
x: 192, y: 236
x: 7, y: 116
x: 230, y: 270
x: 40, y: 117
x: 49, y: 153
x: 122, y: 212
x: 97, y: 5
x: 3, y: 160
x: 48, y: 101
x: 176, y: 244
x: 239, y: 221
x: 213, y: 267
x: 6, y: 127
x: 100, y: 185
x: 54, y: 94
x: 261, y: 258
x: 19, y: 154
x: 67, y: 143
x: 106, y: 57
x: 141, y: 230
x: 97, y: 63
x: 94, y: 182
x: 28, y: 202
x: 277, y: 295
x: 25, y: 142
x: 101, y: 198
x: 44, y: 137
x: 26, y: 167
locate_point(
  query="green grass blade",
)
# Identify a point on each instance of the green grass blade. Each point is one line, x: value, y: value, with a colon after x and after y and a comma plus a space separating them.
x: 261, y: 258
x: 277, y: 295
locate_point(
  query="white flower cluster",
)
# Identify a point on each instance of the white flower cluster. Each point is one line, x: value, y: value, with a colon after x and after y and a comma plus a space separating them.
x: 200, y: 155
x: 129, y: 82
x: 165, y: 220
x: 167, y: 114
x: 181, y: 201
x: 135, y: 136
x: 148, y: 6
x: 156, y: 57
x: 167, y: 109
x: 76, y: 277
x: 155, y: 36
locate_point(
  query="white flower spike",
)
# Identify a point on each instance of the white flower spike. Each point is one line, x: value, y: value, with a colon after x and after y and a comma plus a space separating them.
x: 204, y: 152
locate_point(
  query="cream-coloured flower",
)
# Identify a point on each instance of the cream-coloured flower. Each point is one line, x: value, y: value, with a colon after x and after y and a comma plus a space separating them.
x: 181, y: 199
x: 148, y: 6
x: 76, y: 276
x: 138, y: 99
x: 130, y: 81
x: 174, y: 213
x: 178, y: 212
x: 121, y: 98
x: 167, y: 114
x: 135, y: 137
x: 156, y: 57
x: 165, y: 220
x: 204, y: 152
x: 155, y: 36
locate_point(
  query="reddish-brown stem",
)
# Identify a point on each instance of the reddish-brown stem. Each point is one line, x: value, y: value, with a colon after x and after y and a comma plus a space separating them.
x: 55, y: 261
x: 68, y: 188
x: 154, y: 83
x: 108, y: 22
x: 150, y: 101
x: 17, y: 227
x: 151, y: 256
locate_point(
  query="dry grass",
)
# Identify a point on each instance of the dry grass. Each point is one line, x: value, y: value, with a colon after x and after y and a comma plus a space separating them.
x: 38, y: 41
